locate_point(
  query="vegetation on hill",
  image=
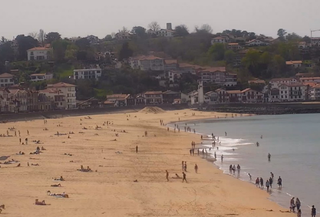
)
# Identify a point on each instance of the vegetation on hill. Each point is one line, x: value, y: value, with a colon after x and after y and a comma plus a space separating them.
x: 264, y: 62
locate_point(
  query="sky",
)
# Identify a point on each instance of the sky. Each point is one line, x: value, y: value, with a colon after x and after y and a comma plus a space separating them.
x: 73, y: 18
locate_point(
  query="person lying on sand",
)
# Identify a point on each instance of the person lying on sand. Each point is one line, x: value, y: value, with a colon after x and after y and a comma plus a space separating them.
x: 56, y: 185
x: 85, y: 170
x: 59, y: 179
x: 36, y: 165
x: 63, y: 195
x: 42, y: 203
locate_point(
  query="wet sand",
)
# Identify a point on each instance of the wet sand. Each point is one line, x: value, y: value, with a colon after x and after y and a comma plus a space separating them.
x: 123, y: 182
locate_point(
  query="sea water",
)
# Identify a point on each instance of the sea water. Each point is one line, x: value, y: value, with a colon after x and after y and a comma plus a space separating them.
x: 292, y: 140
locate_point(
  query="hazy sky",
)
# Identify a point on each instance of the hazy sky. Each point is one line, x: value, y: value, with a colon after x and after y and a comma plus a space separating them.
x: 102, y: 17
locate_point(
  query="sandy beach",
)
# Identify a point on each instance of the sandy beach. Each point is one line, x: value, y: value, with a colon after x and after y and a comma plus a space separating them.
x: 122, y: 182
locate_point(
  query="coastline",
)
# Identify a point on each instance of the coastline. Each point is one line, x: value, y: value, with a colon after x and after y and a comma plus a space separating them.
x: 112, y: 190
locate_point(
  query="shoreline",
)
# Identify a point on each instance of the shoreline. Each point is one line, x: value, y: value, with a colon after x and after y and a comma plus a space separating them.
x: 217, y: 164
x: 208, y: 193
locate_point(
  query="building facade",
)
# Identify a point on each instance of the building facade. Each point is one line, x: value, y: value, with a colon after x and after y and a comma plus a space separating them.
x: 6, y: 80
x: 90, y: 73
x: 39, y: 53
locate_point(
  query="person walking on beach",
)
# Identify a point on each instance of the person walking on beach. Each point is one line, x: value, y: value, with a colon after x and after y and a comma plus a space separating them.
x: 269, y: 157
x: 257, y: 181
x: 313, y: 211
x: 280, y: 182
x: 185, y: 166
x: 298, y: 203
x: 196, y: 168
x: 137, y: 149
x: 250, y: 177
x: 238, y: 169
x: 182, y: 165
x: 222, y: 158
x: 184, y: 177
x: 292, y: 205
x: 267, y: 185
x: 272, y: 175
x: 261, y: 182
x: 270, y: 182
x: 167, y: 175
x: 230, y: 169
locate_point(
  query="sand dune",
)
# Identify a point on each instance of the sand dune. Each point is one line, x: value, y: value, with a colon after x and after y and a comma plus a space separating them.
x: 123, y: 183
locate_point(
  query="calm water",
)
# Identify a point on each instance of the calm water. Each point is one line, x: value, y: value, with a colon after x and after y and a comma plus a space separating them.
x: 292, y: 141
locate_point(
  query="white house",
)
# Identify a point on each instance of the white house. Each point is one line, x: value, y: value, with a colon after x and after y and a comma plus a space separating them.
x: 294, y: 64
x: 40, y: 77
x: 315, y: 41
x: 234, y: 46
x: 90, y: 73
x: 310, y: 79
x: 153, y: 97
x: 165, y: 33
x: 39, y: 53
x: 256, y: 42
x: 276, y: 82
x: 218, y: 75
x: 67, y: 91
x: 293, y: 92
x: 315, y: 92
x: 147, y: 63
x: 6, y: 79
x: 219, y: 39
x: 274, y: 95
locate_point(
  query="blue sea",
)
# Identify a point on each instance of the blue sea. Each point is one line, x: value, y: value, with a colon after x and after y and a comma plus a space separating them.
x: 292, y: 140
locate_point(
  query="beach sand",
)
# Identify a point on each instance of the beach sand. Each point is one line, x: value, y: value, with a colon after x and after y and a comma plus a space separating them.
x: 110, y: 189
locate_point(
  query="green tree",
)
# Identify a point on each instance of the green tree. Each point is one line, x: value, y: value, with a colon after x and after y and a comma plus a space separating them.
x: 229, y: 56
x: 71, y: 52
x: 52, y: 36
x: 108, y: 38
x: 59, y: 49
x: 139, y: 31
x: 282, y: 33
x: 125, y: 51
x: 217, y: 51
x: 181, y: 31
x: 25, y: 43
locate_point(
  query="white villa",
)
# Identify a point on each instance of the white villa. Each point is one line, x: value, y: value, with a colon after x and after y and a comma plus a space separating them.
x: 40, y: 77
x: 39, y: 53
x: 90, y: 73
x: 6, y: 79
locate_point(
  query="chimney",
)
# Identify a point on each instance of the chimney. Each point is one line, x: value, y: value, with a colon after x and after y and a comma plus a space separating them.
x: 169, y: 26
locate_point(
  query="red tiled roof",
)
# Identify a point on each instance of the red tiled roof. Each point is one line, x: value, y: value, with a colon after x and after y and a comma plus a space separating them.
x: 61, y: 84
x: 234, y: 91
x: 171, y: 61
x: 310, y: 78
x: 149, y: 57
x: 39, y: 48
x: 40, y: 74
x: 6, y: 75
x: 118, y: 96
x: 152, y: 92
x: 294, y: 62
x: 281, y: 79
x: 214, y: 69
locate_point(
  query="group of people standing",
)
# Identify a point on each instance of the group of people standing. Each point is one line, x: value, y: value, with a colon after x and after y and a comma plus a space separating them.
x: 233, y: 169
